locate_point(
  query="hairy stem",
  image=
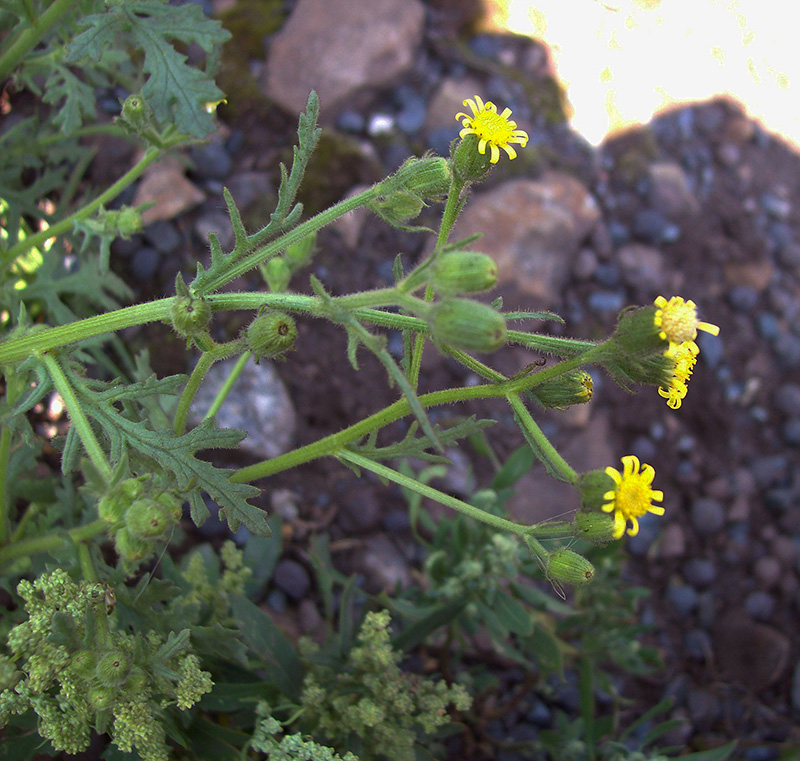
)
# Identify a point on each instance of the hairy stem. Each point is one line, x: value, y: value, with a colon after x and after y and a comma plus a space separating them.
x: 79, y: 420
x: 50, y: 542
x: 434, y: 494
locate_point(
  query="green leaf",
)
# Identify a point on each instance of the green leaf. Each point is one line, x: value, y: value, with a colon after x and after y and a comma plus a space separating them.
x: 175, y: 455
x: 73, y: 99
x: 511, y: 613
x: 175, y: 91
x: 415, y: 634
x: 519, y: 462
x: 715, y: 754
x: 266, y: 640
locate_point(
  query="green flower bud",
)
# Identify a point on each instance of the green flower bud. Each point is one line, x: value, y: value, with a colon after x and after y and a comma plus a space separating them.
x: 271, y: 334
x: 112, y: 668
x: 574, y: 387
x: 427, y: 178
x: 398, y: 207
x: 146, y: 519
x: 277, y: 274
x: 597, y: 528
x: 637, y: 334
x: 136, y: 114
x: 457, y: 272
x: 592, y: 487
x: 137, y: 680
x: 171, y: 504
x: 467, y: 325
x: 130, y: 548
x: 129, y: 222
x: 190, y: 316
x: 568, y: 567
x: 468, y: 164
x: 100, y: 698
x: 84, y: 663
x: 112, y: 506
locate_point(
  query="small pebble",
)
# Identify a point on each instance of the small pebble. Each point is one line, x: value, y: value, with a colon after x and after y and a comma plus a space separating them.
x: 787, y: 399
x: 682, y: 598
x: 144, y: 263
x: 707, y: 515
x: 292, y: 578
x: 162, y: 236
x: 698, y: 644
x: 212, y: 161
x: 768, y: 571
x: 606, y: 302
x: 276, y: 600
x: 351, y: 121
x: 760, y: 606
x: 791, y: 432
x: 700, y: 572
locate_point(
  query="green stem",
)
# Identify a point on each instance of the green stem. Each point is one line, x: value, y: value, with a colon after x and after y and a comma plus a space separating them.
x: 551, y: 529
x: 67, y: 223
x: 330, y: 445
x: 452, y: 208
x: 29, y: 38
x: 19, y: 349
x: 5, y: 450
x: 236, y: 269
x: 51, y: 542
x: 207, y: 359
x: 428, y: 491
x: 226, y: 387
x: 542, y: 445
x: 85, y: 559
x: 79, y: 420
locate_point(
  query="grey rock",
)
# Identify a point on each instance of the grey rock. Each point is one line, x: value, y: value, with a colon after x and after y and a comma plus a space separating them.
x: 787, y: 399
x: 698, y: 644
x: 248, y: 188
x: 214, y: 220
x: 211, y: 161
x: 791, y: 432
x: 162, y: 236
x: 533, y: 229
x: 276, y: 599
x: 258, y: 404
x: 145, y: 263
x: 606, y: 302
x: 682, y: 598
x: 787, y: 349
x: 707, y: 515
x: 700, y: 572
x: 292, y: 579
x: 642, y: 267
x: 670, y: 193
x: 760, y: 605
x: 767, y: 571
x: 383, y: 565
x: 769, y: 470
x: 315, y: 50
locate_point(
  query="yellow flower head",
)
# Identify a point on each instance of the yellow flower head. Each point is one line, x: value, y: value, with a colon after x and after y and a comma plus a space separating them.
x: 685, y: 360
x: 677, y: 322
x: 632, y: 495
x: 492, y: 129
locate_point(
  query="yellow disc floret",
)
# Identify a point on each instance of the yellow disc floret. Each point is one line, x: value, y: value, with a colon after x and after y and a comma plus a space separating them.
x: 632, y: 495
x: 493, y: 129
x: 677, y: 322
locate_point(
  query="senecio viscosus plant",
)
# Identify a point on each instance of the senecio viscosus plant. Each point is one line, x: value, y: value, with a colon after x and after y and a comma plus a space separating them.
x: 83, y: 659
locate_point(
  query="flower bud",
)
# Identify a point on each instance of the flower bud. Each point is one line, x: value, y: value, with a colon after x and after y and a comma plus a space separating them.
x: 271, y: 334
x: 136, y: 114
x: 398, y: 207
x: 458, y: 272
x: 597, y: 528
x: 278, y: 274
x: 146, y: 519
x: 637, y: 334
x: 190, y: 316
x: 129, y: 222
x: 100, y: 698
x: 427, y: 178
x: 593, y: 486
x: 130, y: 548
x: 9, y: 674
x: 467, y: 325
x: 468, y: 164
x: 137, y: 680
x: 112, y: 506
x: 83, y: 663
x: 171, y: 504
x: 574, y: 387
x: 569, y: 567
x: 112, y: 668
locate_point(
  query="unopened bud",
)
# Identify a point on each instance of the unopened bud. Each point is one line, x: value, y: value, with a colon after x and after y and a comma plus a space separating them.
x: 190, y: 316
x: 130, y: 548
x: 637, y: 334
x: 427, y: 178
x: 597, y: 528
x: 467, y: 325
x: 278, y: 274
x: 468, y: 164
x: 574, y: 387
x: 146, y: 519
x: 458, y: 272
x: 136, y: 114
x: 271, y: 334
x: 593, y: 486
x: 112, y: 668
x: 569, y: 567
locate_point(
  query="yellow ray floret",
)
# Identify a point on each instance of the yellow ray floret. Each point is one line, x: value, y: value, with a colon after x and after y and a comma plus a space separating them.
x: 632, y: 495
x: 492, y: 129
x: 685, y: 360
